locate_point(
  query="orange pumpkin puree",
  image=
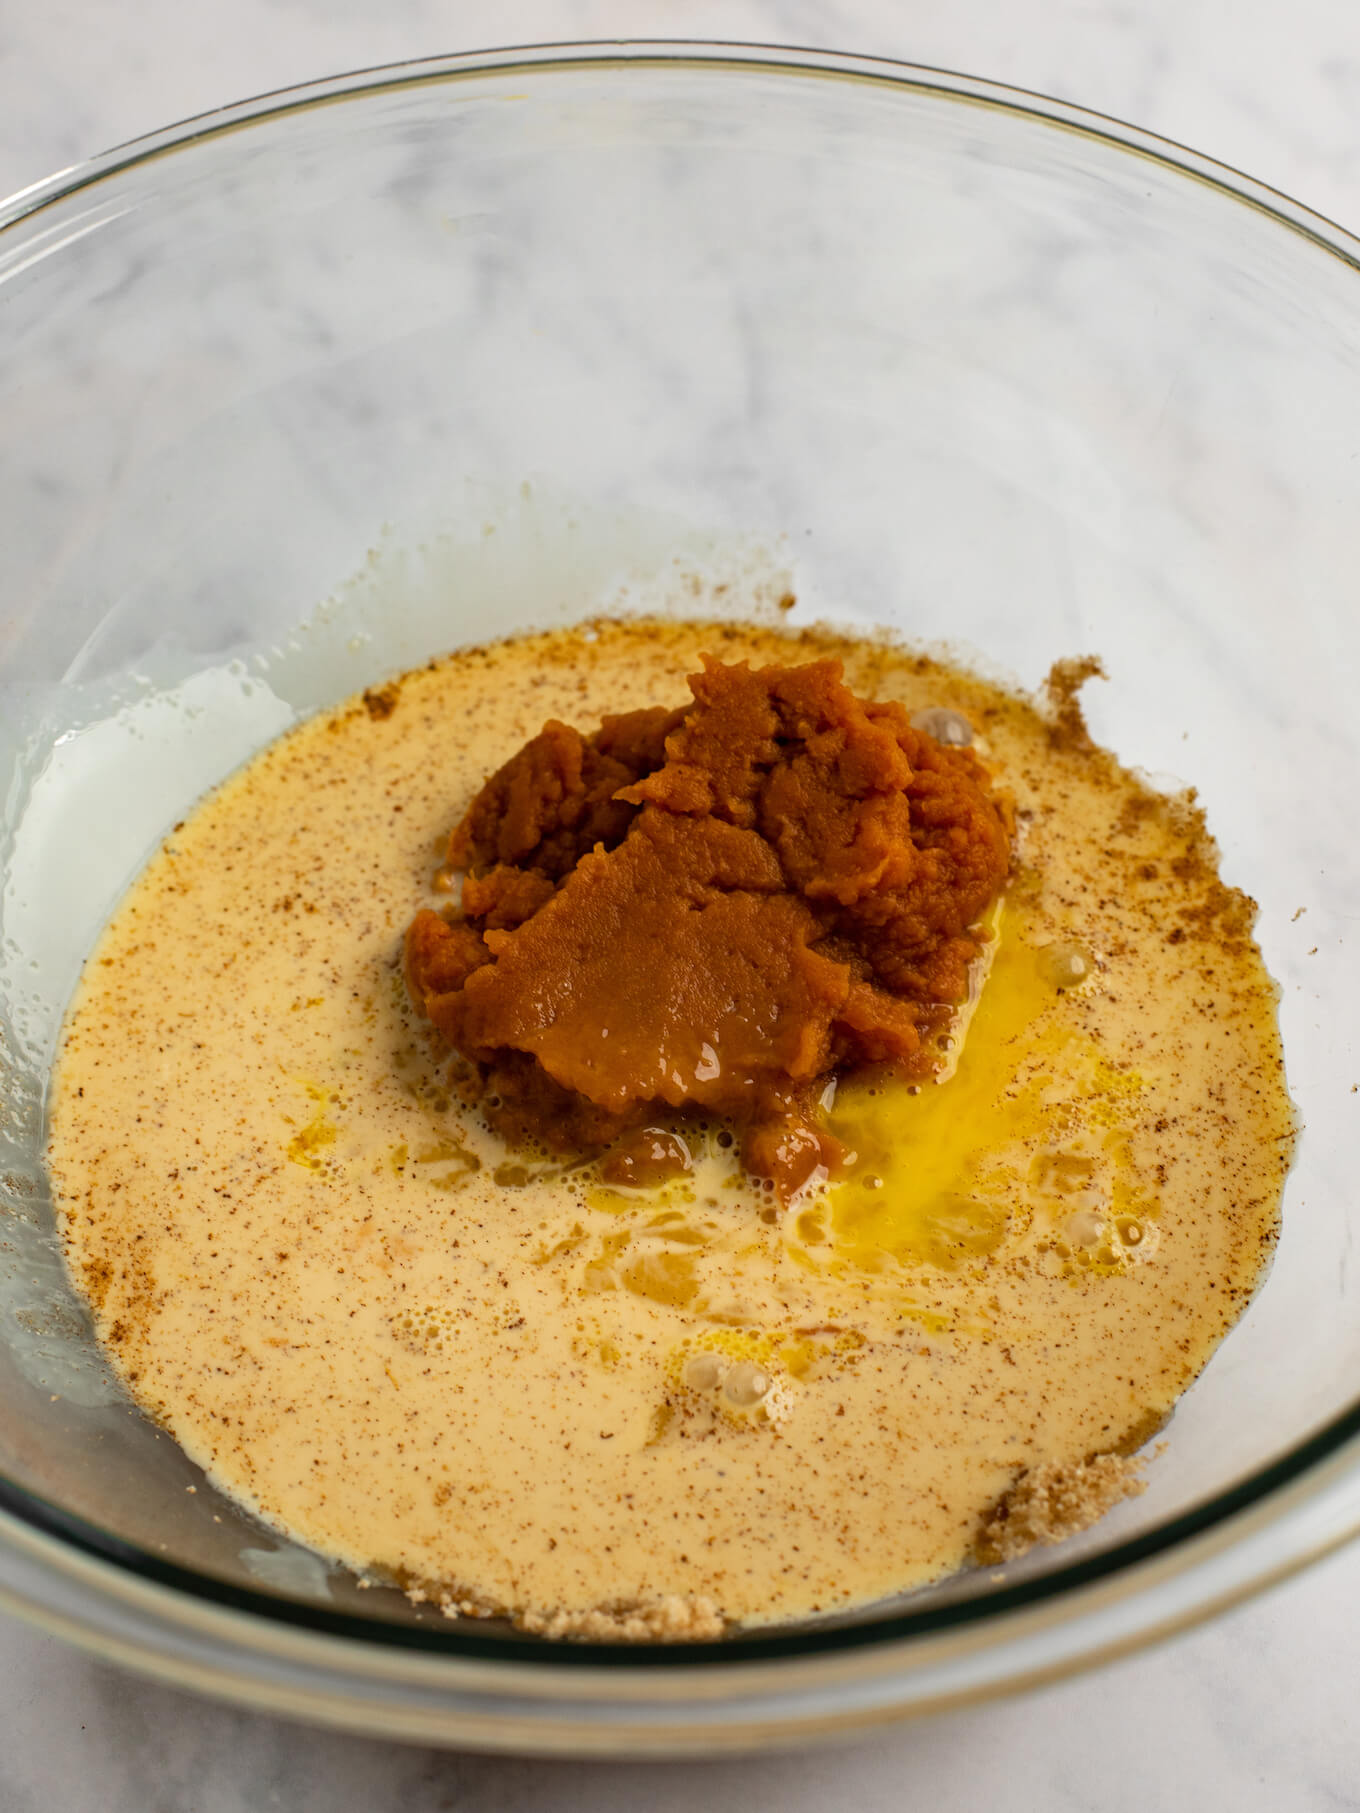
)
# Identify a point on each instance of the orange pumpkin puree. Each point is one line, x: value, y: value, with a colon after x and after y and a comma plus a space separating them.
x: 716, y: 908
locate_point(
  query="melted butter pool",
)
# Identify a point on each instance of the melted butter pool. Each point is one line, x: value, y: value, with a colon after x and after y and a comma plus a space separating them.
x: 1025, y: 1133
x: 1022, y: 1142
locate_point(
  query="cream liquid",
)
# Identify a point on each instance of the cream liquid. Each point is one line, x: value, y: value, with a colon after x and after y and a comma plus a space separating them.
x: 500, y: 1383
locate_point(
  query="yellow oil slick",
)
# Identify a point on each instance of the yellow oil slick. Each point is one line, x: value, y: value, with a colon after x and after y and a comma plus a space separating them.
x: 1023, y: 1132
x: 307, y: 1146
x: 945, y: 1172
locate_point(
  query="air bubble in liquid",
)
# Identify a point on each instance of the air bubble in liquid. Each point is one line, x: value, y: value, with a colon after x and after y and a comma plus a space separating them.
x: 944, y: 725
x: 1066, y: 964
x: 745, y: 1385
x: 703, y: 1372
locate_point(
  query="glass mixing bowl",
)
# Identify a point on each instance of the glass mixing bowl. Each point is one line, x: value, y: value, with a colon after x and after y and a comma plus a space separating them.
x: 306, y: 391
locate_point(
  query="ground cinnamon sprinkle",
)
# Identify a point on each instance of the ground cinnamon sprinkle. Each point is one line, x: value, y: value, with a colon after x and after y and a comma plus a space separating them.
x: 716, y: 907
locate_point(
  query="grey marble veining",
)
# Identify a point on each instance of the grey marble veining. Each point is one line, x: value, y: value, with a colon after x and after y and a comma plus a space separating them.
x: 1257, y: 1711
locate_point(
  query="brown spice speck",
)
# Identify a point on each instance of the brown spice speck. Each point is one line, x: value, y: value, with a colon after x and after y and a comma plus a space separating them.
x: 381, y: 701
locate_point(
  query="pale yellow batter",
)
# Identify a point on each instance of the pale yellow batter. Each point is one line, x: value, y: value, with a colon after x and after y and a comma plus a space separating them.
x: 608, y: 1412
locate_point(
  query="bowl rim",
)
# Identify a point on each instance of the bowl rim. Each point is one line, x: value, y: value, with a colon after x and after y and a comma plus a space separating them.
x: 1308, y: 1491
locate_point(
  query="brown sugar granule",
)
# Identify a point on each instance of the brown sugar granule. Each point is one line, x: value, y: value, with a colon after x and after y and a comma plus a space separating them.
x: 1067, y: 723
x: 671, y: 1618
x: 714, y: 908
x: 1053, y: 1501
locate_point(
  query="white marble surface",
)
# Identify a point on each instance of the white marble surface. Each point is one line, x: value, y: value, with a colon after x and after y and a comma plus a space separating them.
x: 1256, y: 1711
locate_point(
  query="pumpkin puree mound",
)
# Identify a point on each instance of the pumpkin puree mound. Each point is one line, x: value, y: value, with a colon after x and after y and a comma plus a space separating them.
x: 715, y: 908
